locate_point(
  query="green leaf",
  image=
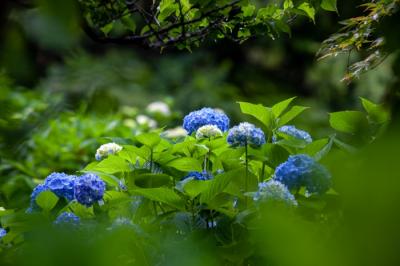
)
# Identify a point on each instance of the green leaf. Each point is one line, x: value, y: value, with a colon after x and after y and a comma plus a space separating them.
x: 280, y: 107
x: 262, y: 113
x: 152, y: 180
x: 111, y: 165
x: 47, y: 200
x: 149, y: 139
x: 219, y: 183
x: 193, y: 187
x: 319, y: 148
x: 288, y: 4
x: 308, y: 9
x: 161, y: 194
x: 315, y: 146
x: 329, y: 5
x: 348, y: 121
x: 185, y: 164
x: 376, y: 112
x: 107, y: 28
x: 291, y: 114
x: 248, y: 10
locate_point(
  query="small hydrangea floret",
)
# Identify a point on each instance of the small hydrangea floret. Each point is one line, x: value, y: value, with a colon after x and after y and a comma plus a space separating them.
x: 208, y: 131
x: 303, y: 171
x: 3, y: 232
x: 106, y: 149
x: 89, y: 188
x: 67, y: 219
x: 274, y: 191
x: 205, y: 116
x: 246, y: 134
x: 199, y: 175
x: 293, y: 132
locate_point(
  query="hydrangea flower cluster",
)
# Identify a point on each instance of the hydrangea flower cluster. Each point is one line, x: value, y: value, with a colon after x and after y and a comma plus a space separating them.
x: 294, y: 132
x: 274, y: 191
x: 246, y: 134
x: 61, y: 184
x: 3, y: 232
x: 205, y: 116
x: 158, y: 108
x: 88, y: 189
x: 208, y: 131
x: 106, y: 149
x: 199, y: 175
x: 70, y: 187
x: 302, y: 170
x: 67, y: 219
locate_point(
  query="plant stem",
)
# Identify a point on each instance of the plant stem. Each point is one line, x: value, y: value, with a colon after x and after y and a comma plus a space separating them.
x: 151, y: 160
x: 247, y: 173
x: 262, y: 172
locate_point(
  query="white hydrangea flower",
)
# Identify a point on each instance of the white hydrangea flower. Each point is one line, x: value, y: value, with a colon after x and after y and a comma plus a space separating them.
x: 106, y: 149
x: 159, y: 107
x: 208, y: 131
x: 175, y: 133
x: 144, y: 120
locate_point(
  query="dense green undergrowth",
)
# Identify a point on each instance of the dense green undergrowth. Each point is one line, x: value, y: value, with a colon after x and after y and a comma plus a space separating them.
x: 216, y: 194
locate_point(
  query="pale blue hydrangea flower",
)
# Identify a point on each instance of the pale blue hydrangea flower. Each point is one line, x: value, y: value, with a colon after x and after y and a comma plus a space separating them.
x: 67, y: 219
x: 208, y: 131
x: 302, y: 170
x: 199, y: 175
x: 293, y: 132
x: 89, y: 188
x: 106, y: 149
x: 246, y: 134
x: 61, y: 184
x: 3, y: 232
x: 274, y: 191
x: 205, y: 116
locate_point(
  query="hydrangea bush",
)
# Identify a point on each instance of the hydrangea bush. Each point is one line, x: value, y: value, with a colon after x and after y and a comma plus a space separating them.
x: 216, y: 180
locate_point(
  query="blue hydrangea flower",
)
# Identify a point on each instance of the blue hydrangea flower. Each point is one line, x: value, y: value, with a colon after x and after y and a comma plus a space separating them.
x: 274, y: 191
x: 246, y: 134
x: 205, y: 116
x: 61, y: 184
x: 3, y: 232
x: 302, y: 170
x: 67, y: 219
x: 293, y: 132
x: 88, y: 189
x: 199, y: 175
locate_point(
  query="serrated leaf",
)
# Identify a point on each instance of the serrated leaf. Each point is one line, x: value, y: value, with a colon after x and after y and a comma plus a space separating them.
x: 185, y: 164
x: 47, y: 200
x: 149, y: 139
x: 219, y: 183
x: 329, y: 5
x: 280, y: 107
x: 260, y: 112
x: 163, y: 195
x: 308, y: 9
x: 376, y: 112
x: 291, y: 114
x: 193, y: 187
x: 111, y: 165
x: 348, y: 121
